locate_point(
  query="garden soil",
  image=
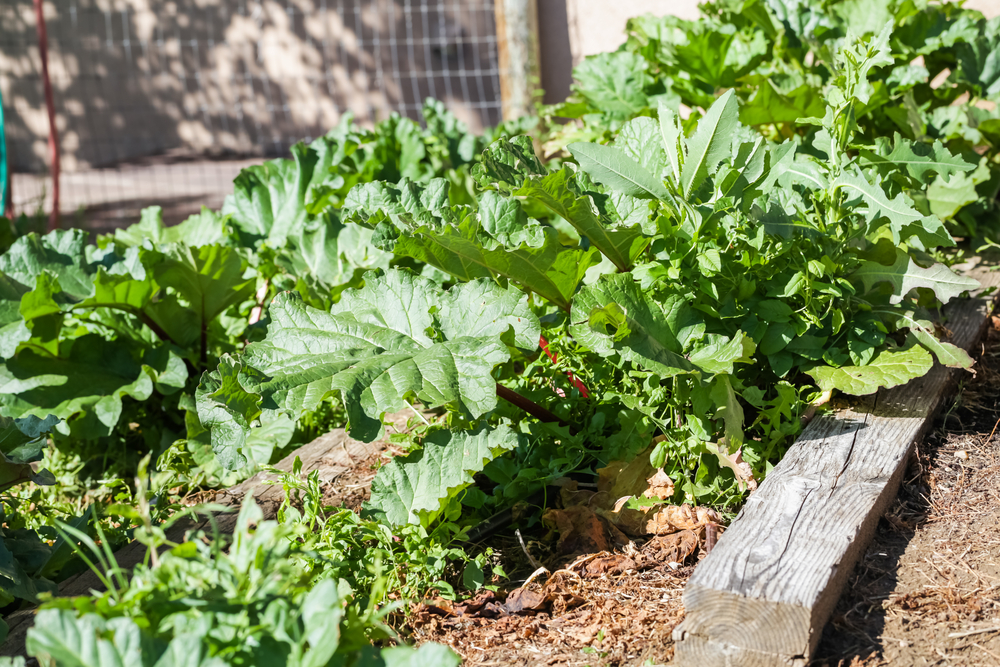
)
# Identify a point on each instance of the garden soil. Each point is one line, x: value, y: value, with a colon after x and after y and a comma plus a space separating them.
x: 927, y: 591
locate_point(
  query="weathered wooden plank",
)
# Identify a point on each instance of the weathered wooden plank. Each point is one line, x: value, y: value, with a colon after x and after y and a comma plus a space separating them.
x: 517, y: 51
x: 763, y: 595
x: 331, y: 454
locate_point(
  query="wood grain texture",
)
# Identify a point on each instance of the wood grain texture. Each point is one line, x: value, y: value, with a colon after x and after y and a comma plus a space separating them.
x: 763, y: 595
x: 517, y: 52
x: 331, y: 454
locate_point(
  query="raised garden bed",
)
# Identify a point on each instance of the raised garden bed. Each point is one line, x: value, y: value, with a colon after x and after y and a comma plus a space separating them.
x: 763, y: 596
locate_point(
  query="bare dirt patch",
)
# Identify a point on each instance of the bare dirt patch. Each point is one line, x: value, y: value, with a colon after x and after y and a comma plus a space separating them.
x: 585, y: 616
x: 927, y: 591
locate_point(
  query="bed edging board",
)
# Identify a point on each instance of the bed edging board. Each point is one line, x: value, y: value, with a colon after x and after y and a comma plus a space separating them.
x: 763, y: 595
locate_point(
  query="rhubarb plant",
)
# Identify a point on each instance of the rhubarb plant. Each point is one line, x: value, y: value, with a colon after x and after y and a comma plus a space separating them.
x: 710, y: 280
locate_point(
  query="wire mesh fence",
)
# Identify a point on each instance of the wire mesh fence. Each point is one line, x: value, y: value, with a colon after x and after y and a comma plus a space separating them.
x: 163, y: 101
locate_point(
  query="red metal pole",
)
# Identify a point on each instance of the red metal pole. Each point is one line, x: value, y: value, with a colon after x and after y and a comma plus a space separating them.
x: 50, y: 105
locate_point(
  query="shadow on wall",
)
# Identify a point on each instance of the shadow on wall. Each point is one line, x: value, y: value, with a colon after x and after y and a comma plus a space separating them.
x: 228, y: 78
x: 555, y: 50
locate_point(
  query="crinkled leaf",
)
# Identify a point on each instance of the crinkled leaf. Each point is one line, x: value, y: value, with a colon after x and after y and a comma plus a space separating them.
x: 269, y: 200
x: 413, y: 489
x: 378, y: 346
x: 613, y: 82
x: 453, y: 240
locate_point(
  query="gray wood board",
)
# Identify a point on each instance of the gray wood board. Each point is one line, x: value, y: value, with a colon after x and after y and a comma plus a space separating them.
x: 331, y: 454
x: 765, y: 592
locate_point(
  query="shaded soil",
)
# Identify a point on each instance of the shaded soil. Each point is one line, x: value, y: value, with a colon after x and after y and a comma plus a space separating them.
x: 591, y: 617
x: 927, y: 591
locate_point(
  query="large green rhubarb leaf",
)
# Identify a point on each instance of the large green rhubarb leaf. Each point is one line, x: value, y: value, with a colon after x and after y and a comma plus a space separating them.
x: 415, y: 221
x: 331, y: 254
x: 613, y: 82
x: 205, y: 282
x: 13, y: 331
x: 269, y: 201
x: 399, y: 337
x: 415, y: 488
x: 888, y: 369
x: 60, y: 253
x: 84, y: 386
x: 204, y: 228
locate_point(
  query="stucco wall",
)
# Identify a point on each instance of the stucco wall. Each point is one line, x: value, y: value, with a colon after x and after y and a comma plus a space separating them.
x: 235, y: 77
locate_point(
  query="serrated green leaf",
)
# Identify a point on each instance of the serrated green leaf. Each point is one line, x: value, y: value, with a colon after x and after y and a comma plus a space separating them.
x: 888, y: 369
x: 413, y: 489
x: 918, y: 158
x: 616, y: 170
x: 905, y: 275
x: 556, y: 192
x: 878, y: 204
